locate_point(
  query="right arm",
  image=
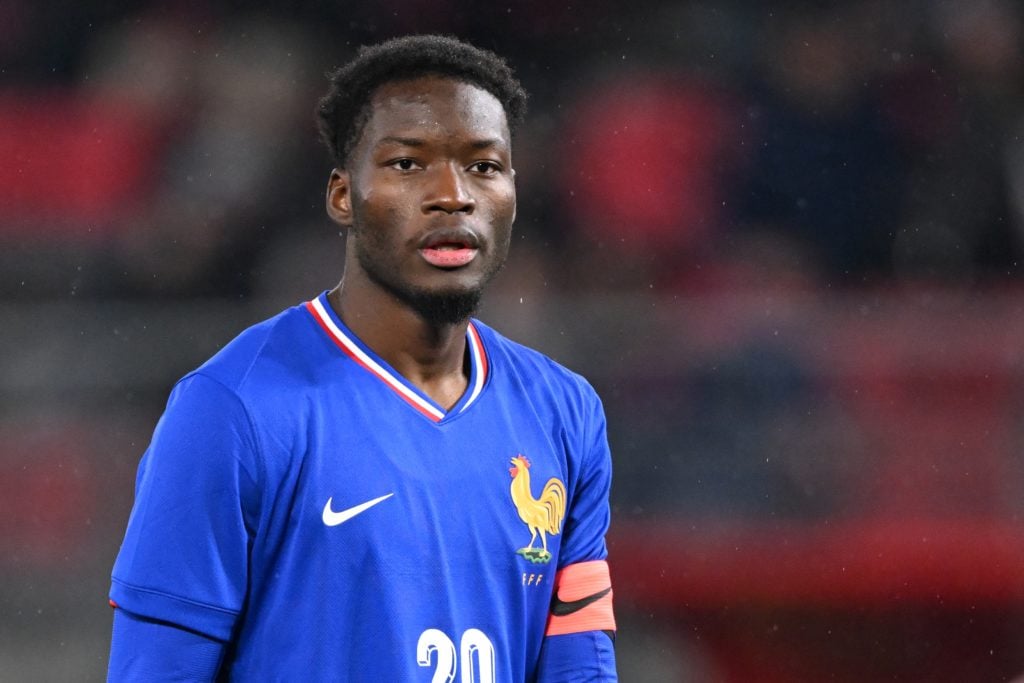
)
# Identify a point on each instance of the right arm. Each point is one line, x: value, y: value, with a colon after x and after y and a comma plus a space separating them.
x: 144, y: 649
x: 180, y: 578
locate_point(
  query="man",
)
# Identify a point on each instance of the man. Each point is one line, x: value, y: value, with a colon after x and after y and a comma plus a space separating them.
x: 372, y: 486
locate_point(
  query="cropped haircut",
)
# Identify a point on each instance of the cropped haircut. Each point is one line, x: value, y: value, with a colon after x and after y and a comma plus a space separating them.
x: 345, y: 109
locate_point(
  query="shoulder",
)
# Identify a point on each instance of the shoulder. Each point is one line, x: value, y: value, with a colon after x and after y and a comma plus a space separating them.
x: 537, y: 372
x: 273, y: 350
x: 251, y: 388
x: 240, y: 379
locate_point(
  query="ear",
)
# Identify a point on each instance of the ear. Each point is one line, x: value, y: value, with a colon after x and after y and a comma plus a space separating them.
x: 514, y: 198
x: 339, y: 198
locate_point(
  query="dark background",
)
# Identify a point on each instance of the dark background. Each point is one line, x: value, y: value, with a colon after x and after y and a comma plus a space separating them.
x: 783, y: 240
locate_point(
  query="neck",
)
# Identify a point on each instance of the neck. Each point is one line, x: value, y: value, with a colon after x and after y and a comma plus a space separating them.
x: 431, y: 356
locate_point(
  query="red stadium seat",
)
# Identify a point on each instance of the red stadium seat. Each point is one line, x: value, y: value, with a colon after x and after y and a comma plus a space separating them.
x: 71, y: 165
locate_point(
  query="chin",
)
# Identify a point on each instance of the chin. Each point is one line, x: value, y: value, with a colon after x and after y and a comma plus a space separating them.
x: 440, y: 297
x: 444, y: 307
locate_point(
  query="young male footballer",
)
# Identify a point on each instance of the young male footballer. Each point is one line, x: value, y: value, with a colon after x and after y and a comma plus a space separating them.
x: 373, y: 485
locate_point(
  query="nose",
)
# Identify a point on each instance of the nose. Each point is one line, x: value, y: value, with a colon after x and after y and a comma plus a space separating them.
x: 448, y: 191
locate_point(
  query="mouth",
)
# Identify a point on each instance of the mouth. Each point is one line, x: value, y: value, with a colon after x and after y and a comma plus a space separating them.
x: 450, y: 248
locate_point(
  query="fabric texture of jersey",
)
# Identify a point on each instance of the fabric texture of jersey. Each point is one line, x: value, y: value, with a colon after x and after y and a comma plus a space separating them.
x: 305, y: 503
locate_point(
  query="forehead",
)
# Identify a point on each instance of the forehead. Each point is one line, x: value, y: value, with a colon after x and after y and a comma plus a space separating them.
x: 435, y: 106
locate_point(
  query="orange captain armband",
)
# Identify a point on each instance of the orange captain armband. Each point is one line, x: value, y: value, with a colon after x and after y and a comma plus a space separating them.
x: 582, y: 599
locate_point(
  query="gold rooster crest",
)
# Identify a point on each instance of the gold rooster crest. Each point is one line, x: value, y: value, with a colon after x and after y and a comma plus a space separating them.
x: 542, y: 515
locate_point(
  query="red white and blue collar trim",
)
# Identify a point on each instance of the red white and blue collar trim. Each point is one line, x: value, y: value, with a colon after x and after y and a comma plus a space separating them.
x: 348, y: 343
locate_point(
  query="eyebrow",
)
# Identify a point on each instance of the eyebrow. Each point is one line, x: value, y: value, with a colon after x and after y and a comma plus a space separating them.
x: 484, y: 144
x: 405, y: 142
x: 417, y: 142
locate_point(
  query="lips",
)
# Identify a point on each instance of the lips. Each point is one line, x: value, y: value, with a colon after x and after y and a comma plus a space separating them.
x: 449, y: 248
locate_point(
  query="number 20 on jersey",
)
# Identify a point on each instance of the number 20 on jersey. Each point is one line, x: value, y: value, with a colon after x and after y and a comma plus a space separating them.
x: 473, y: 645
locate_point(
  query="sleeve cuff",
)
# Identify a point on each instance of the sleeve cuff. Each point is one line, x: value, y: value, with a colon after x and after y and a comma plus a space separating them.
x: 215, y: 622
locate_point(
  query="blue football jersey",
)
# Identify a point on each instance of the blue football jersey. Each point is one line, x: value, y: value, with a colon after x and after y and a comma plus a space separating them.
x: 304, y: 502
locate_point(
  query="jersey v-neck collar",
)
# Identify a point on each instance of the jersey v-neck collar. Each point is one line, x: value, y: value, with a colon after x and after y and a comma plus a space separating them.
x: 355, y: 349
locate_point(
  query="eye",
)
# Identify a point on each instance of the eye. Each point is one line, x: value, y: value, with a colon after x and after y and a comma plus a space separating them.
x: 485, y: 167
x: 403, y: 164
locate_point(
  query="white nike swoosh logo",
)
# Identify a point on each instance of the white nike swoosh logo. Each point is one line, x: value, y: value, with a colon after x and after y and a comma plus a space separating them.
x: 332, y: 518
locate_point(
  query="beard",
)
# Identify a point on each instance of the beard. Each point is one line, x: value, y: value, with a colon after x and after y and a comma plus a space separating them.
x: 435, y: 306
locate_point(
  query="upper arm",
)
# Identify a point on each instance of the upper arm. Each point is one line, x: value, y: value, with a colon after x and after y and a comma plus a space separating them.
x: 589, y: 513
x: 578, y: 643
x: 184, y: 558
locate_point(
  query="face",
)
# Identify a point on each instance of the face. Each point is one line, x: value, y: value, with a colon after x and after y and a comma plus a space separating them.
x: 429, y: 195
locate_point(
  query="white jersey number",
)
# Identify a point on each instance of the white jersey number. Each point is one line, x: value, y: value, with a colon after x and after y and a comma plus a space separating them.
x: 474, y: 642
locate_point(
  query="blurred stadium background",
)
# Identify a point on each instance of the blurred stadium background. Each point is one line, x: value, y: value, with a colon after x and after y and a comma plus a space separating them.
x: 782, y: 239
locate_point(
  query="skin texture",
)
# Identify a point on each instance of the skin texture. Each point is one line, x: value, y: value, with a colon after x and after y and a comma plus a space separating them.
x: 433, y: 165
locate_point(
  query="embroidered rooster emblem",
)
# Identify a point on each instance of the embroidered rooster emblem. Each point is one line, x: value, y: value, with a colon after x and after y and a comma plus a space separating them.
x: 542, y: 515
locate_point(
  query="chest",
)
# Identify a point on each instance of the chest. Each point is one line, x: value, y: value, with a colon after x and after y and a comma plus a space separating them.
x: 378, y: 489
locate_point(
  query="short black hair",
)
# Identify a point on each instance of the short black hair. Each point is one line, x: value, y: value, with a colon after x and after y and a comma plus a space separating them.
x: 344, y: 110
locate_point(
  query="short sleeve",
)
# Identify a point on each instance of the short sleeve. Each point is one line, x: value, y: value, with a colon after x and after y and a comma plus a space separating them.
x: 185, y: 554
x: 589, y: 514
